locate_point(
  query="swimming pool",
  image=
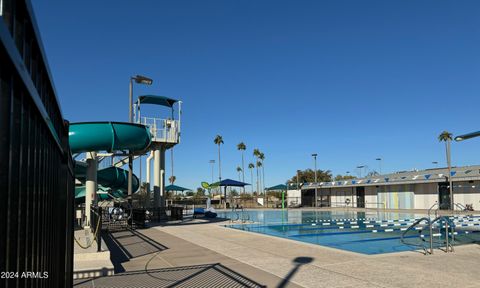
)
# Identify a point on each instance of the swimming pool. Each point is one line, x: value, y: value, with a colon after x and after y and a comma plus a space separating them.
x: 362, y: 232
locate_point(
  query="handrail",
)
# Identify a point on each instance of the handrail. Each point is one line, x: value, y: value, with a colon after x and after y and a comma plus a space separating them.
x: 430, y: 223
x: 448, y: 224
x: 411, y: 227
x: 463, y: 208
x: 430, y: 209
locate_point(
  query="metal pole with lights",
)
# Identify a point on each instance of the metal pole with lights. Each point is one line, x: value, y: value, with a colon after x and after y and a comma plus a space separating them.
x: 466, y: 137
x: 314, y: 155
x: 360, y: 167
x: 139, y: 80
x: 212, y: 162
x: 380, y: 163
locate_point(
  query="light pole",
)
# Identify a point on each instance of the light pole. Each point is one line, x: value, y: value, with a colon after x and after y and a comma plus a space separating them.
x: 380, y: 163
x: 458, y: 139
x: 298, y: 180
x: 314, y: 155
x: 212, y: 162
x: 360, y: 167
x: 139, y: 80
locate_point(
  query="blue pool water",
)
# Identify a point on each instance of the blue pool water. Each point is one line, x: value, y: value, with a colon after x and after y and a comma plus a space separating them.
x: 362, y: 232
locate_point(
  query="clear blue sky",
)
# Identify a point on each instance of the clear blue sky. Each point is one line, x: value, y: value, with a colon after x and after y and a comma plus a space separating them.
x: 349, y: 80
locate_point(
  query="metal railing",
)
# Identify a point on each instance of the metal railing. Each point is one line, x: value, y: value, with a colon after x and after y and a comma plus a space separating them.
x: 412, y: 228
x: 241, y: 215
x: 96, y: 225
x: 443, y: 222
x: 163, y: 130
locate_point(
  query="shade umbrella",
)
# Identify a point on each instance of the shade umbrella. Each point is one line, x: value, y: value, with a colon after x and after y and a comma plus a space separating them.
x: 176, y: 188
x: 279, y: 187
x: 229, y: 183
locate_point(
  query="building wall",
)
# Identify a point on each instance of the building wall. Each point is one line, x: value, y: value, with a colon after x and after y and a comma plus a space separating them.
x: 467, y: 192
x: 396, y: 196
x: 294, y: 197
x: 339, y: 195
x: 371, y: 197
x: 425, y: 195
x: 406, y: 196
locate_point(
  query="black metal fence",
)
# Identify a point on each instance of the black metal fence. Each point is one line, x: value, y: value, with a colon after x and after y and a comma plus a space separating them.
x: 36, y: 169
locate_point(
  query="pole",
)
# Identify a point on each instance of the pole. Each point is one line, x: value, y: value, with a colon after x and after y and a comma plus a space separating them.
x: 90, y: 185
x: 156, y: 178
x: 316, y: 196
x: 130, y: 156
x: 450, y: 174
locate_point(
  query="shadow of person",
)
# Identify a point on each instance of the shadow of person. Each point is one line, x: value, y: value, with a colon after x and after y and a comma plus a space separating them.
x: 299, y: 261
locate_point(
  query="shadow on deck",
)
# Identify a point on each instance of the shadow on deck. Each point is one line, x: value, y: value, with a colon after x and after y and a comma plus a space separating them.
x: 207, y: 275
x: 128, y: 244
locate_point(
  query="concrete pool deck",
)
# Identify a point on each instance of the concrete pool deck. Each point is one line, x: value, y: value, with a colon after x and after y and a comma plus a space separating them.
x: 331, y: 267
x: 153, y: 258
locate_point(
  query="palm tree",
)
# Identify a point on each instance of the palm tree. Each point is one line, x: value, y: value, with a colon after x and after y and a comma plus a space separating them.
x: 261, y: 156
x: 256, y: 153
x: 219, y: 141
x: 251, y: 166
x: 238, y: 171
x: 172, y: 179
x: 447, y: 137
x: 259, y: 164
x: 242, y: 147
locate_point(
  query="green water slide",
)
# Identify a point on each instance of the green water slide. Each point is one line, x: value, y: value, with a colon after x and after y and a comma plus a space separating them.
x: 110, y: 137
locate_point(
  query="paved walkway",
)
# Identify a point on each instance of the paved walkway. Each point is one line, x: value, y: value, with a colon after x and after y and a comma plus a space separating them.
x: 152, y: 258
x: 327, y: 267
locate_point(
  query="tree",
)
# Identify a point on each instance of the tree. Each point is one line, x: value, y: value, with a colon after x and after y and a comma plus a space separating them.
x: 238, y: 171
x: 446, y: 137
x: 256, y: 153
x: 200, y: 192
x: 242, y: 147
x: 259, y: 164
x: 219, y: 141
x: 308, y: 175
x: 261, y: 156
x: 344, y: 177
x: 251, y: 166
x: 172, y: 179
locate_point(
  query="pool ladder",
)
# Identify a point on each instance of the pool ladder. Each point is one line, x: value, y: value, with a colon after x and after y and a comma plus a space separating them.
x: 241, y: 215
x: 443, y: 222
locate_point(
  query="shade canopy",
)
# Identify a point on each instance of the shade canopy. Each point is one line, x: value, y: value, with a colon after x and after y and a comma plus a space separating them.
x: 230, y: 182
x: 277, y: 187
x: 157, y: 100
x: 176, y: 188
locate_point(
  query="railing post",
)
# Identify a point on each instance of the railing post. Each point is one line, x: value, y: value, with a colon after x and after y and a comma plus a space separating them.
x: 431, y: 234
x: 99, y: 229
x: 446, y: 235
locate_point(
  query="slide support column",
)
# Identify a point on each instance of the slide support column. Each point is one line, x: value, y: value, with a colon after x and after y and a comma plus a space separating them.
x: 159, y: 176
x: 149, y: 161
x: 90, y: 185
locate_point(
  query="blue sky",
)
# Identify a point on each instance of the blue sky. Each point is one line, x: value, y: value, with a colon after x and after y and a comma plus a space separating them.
x: 349, y: 80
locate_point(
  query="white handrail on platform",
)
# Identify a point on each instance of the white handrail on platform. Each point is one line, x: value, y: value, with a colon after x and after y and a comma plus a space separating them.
x: 163, y: 130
